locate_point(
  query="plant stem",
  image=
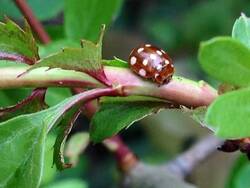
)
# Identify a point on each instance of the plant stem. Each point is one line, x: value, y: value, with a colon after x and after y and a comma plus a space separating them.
x: 180, y: 90
x: 42, y: 77
x: 183, y: 164
x: 34, y: 23
x: 125, y: 158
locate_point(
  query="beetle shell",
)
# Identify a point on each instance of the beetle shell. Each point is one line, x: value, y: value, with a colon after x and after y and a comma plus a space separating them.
x: 151, y: 62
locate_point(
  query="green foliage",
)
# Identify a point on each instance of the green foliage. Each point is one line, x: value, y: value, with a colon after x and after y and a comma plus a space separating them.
x: 124, y: 113
x: 64, y: 129
x: 28, y: 146
x: 29, y: 143
x: 22, y: 138
x: 22, y: 150
x: 56, y: 46
x: 116, y: 62
x: 75, y: 146
x: 14, y: 40
x: 242, y: 179
x: 33, y: 103
x: 202, y: 21
x: 194, y: 22
x: 68, y: 183
x: 86, y: 59
x: 162, y: 29
x: 78, y: 59
x: 49, y: 171
x: 241, y: 30
x: 56, y: 32
x: 56, y: 95
x: 10, y: 97
x: 226, y: 59
x: 228, y: 115
x: 43, y: 10
x: 238, y: 177
x: 83, y: 18
x: 78, y: 171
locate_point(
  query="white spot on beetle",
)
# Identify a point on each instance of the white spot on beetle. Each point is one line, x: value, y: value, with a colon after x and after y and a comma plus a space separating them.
x: 156, y: 75
x: 152, y: 56
x: 166, y: 62
x: 163, y: 51
x: 159, y: 67
x: 145, y: 62
x: 148, y: 45
x: 159, y: 52
x: 140, y: 50
x: 172, y: 65
x: 133, y: 60
x: 142, y: 72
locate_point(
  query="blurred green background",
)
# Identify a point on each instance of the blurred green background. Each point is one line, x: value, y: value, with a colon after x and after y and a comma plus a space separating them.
x: 178, y: 26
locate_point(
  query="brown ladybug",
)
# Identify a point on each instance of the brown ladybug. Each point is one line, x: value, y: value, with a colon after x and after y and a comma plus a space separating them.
x: 152, y: 63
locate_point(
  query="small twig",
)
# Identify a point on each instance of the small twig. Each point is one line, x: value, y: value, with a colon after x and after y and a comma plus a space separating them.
x: 125, y: 158
x: 33, y: 21
x: 185, y: 162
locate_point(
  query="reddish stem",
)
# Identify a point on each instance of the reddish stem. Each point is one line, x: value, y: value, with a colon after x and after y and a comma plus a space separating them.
x: 125, y: 158
x: 16, y: 57
x: 33, y: 21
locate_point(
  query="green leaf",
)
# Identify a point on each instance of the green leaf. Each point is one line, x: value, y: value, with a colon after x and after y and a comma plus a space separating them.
x: 228, y: 116
x: 56, y: 32
x: 86, y: 59
x: 115, y: 63
x: 226, y: 59
x: 12, y: 96
x: 65, y: 127
x: 236, y: 178
x: 33, y: 103
x: 69, y: 183
x: 197, y: 114
x: 56, y: 95
x: 134, y: 98
x: 14, y: 40
x: 124, y: 113
x: 49, y: 171
x: 241, y: 30
x: 242, y: 179
x: 25, y: 135
x: 22, y: 141
x: 79, y: 59
x: 83, y: 18
x: 43, y: 10
x: 75, y: 146
x: 56, y: 46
